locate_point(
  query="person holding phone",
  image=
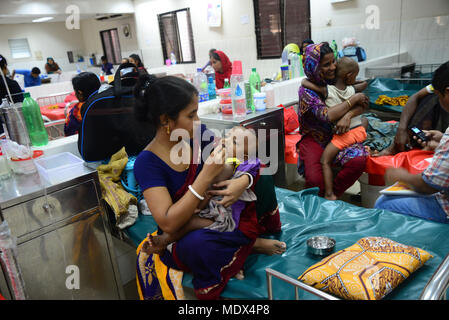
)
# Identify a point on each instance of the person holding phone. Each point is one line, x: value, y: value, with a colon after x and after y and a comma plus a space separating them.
x: 432, y: 185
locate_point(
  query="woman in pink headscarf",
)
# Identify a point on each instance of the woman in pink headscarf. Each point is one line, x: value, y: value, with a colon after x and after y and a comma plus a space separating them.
x: 222, y: 66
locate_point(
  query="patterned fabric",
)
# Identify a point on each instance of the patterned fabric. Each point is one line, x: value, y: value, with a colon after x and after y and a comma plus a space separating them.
x: 222, y: 254
x: 73, y: 121
x: 380, y: 134
x: 437, y: 173
x: 312, y: 113
x: 368, y: 270
x: 114, y: 194
x: 154, y: 280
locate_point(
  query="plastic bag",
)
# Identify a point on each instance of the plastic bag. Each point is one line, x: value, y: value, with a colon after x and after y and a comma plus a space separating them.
x: 414, y: 161
x: 8, y: 261
x: 291, y: 122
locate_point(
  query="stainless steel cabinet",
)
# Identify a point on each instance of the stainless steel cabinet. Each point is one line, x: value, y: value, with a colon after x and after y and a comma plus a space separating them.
x: 268, y: 125
x: 64, y: 249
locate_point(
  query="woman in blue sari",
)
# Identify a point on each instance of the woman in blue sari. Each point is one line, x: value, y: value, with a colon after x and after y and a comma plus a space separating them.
x: 174, y: 189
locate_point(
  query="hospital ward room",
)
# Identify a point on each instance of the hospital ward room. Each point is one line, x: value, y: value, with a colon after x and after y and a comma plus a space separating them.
x: 246, y: 152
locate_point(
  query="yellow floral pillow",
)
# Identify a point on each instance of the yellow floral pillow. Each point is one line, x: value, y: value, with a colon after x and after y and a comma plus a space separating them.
x: 367, y: 270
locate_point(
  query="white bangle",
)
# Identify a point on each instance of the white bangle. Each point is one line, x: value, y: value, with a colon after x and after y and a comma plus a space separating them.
x: 251, y: 180
x: 195, y: 193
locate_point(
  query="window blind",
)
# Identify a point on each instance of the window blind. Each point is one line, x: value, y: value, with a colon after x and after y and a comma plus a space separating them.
x: 19, y: 48
x: 278, y: 23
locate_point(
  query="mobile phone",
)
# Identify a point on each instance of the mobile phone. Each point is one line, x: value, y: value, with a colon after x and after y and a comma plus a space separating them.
x: 419, y: 133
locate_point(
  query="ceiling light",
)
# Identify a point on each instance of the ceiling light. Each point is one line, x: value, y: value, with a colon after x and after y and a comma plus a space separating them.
x: 43, y: 19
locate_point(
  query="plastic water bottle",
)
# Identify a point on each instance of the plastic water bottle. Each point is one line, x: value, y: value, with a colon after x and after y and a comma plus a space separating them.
x: 226, y: 84
x: 200, y: 82
x: 269, y: 90
x: 254, y: 80
x: 334, y: 48
x: 238, y: 95
x: 33, y: 120
x: 211, y: 88
x: 296, y: 66
x: 173, y: 58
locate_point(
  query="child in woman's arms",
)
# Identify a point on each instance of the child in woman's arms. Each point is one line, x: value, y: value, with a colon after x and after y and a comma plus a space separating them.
x: 212, y: 212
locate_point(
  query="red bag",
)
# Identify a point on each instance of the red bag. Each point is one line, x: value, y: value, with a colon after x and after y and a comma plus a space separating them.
x: 291, y: 122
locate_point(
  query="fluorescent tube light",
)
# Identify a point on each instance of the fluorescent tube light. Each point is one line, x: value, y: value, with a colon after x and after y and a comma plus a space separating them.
x: 42, y: 19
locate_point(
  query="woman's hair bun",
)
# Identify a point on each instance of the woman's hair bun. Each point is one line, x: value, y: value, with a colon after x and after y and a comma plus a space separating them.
x: 143, y: 84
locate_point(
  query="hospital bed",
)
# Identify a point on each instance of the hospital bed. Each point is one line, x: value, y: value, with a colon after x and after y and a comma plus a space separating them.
x: 304, y: 214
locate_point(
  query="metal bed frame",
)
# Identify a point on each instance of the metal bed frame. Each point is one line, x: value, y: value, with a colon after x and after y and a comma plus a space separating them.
x: 55, y: 129
x: 52, y: 99
x: 403, y: 70
x: 435, y: 288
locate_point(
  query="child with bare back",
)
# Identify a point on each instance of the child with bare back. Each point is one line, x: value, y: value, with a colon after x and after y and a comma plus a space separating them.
x: 345, y: 87
x: 240, y: 146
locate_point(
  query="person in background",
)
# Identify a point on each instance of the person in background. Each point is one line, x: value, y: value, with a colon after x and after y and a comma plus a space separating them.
x: 423, y: 111
x: 317, y: 123
x: 13, y: 86
x: 304, y: 45
x: 84, y: 84
x: 210, y: 57
x: 106, y: 66
x: 222, y: 66
x: 31, y: 78
x: 433, y: 183
x: 135, y: 59
x: 125, y: 60
x: 52, y: 67
x: 355, y: 130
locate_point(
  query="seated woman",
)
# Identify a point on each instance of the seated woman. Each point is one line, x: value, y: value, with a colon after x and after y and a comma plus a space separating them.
x: 52, y: 67
x: 222, y: 66
x: 317, y: 124
x: 135, y: 59
x: 433, y: 183
x: 84, y: 84
x: 174, y: 189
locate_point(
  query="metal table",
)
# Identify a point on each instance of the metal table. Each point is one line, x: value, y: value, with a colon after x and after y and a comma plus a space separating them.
x: 62, y: 238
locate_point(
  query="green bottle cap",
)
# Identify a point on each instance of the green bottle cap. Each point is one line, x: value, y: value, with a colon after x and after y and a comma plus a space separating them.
x: 253, y: 69
x: 26, y: 95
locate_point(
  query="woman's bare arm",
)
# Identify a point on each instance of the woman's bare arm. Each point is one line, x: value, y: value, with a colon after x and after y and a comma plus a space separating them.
x: 337, y: 112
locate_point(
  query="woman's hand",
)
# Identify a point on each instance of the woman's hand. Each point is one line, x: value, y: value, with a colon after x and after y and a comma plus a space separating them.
x: 343, y: 125
x: 214, y: 164
x: 434, y: 138
x: 232, y: 191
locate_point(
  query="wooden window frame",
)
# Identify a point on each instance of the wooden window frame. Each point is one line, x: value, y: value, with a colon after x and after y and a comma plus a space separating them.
x: 166, y: 56
x: 284, y: 42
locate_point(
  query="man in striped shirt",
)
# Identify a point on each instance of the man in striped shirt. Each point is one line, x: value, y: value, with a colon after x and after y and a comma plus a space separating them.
x: 432, y: 203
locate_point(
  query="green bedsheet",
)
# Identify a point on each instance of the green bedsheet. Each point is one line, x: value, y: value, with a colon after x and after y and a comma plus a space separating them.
x: 303, y: 215
x: 391, y: 88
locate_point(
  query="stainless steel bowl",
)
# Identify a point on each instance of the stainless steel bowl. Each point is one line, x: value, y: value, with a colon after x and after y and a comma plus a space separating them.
x: 320, y: 245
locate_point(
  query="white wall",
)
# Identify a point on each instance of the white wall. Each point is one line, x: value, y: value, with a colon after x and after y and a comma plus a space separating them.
x: 52, y: 39
x: 55, y: 7
x: 91, y: 28
x: 237, y: 40
x: 419, y: 27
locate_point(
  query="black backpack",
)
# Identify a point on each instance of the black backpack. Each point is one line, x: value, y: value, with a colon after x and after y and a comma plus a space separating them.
x: 108, y: 122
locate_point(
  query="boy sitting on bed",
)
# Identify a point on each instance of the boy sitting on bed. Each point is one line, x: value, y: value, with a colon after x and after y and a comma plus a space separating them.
x: 241, y: 159
x: 345, y: 86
